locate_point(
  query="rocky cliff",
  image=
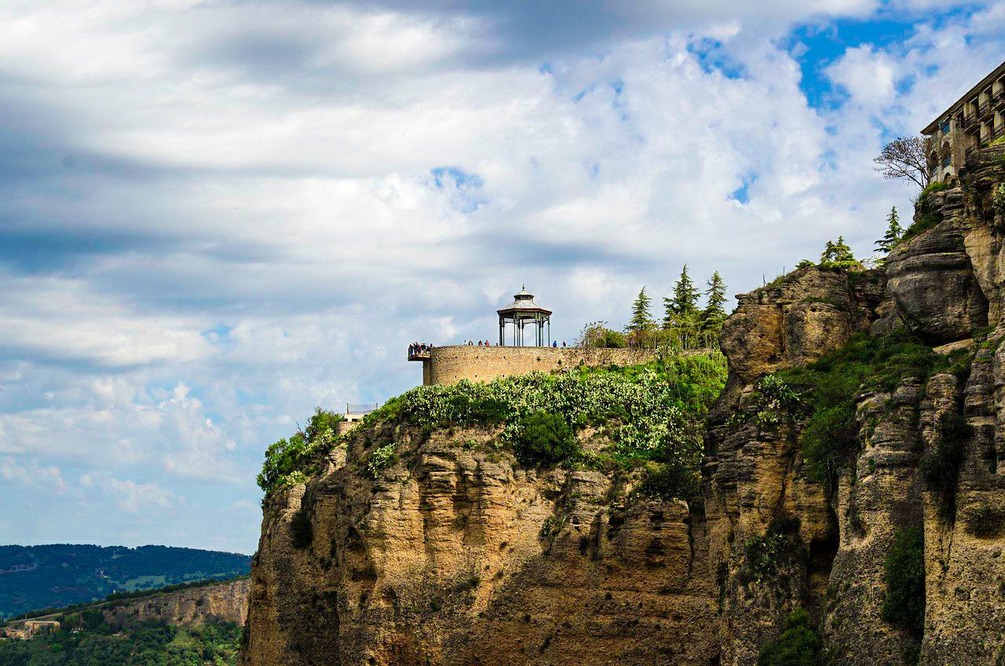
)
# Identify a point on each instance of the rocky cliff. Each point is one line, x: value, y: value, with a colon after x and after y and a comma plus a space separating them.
x: 458, y: 554
x: 192, y: 607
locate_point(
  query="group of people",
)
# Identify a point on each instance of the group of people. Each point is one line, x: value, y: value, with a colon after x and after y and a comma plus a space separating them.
x: 418, y: 348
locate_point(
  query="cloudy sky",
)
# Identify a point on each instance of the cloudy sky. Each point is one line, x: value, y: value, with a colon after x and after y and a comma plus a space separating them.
x: 217, y: 215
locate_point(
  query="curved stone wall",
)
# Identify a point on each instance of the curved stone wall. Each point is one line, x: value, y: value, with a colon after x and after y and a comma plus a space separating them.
x: 447, y: 365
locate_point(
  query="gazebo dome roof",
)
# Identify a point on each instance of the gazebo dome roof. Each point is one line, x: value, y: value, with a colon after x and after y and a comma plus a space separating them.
x: 523, y: 303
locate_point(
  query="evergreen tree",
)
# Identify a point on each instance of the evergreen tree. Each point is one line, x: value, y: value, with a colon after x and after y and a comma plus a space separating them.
x: 714, y: 314
x: 642, y: 318
x: 838, y: 255
x: 893, y: 234
x: 682, y: 307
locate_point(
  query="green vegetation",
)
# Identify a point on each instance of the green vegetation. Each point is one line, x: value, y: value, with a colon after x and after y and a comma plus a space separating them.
x: 642, y: 316
x: 55, y: 576
x: 682, y: 308
x: 940, y: 467
x: 893, y: 234
x: 545, y: 439
x: 286, y: 459
x: 763, y: 556
x: 685, y: 324
x: 597, y: 335
x: 798, y: 645
x: 904, y: 605
x: 927, y: 217
x: 651, y: 413
x: 838, y: 256
x: 381, y: 458
x: 827, y: 390
x: 998, y: 197
x: 667, y: 482
x: 86, y: 640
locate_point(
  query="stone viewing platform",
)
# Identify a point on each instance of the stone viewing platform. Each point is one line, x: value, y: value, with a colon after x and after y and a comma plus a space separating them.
x: 447, y: 365
x: 485, y: 362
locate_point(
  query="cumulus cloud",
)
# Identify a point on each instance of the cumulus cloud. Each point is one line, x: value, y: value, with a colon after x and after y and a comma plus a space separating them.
x: 129, y: 496
x: 215, y: 217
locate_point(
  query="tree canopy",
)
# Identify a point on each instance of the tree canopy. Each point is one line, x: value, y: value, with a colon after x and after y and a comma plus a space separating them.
x: 904, y: 158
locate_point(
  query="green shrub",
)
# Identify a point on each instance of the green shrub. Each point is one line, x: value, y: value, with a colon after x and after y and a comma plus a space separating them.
x: 381, y: 458
x: 927, y: 217
x: 281, y: 459
x: 669, y: 482
x: 287, y: 460
x: 545, y: 439
x: 764, y: 555
x: 798, y: 645
x: 904, y: 605
x: 940, y: 467
x: 829, y: 387
x: 652, y: 412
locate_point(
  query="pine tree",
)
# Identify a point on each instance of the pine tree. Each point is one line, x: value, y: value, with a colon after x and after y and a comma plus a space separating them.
x: 714, y: 314
x: 893, y: 234
x: 642, y: 319
x: 682, y: 307
x: 838, y: 255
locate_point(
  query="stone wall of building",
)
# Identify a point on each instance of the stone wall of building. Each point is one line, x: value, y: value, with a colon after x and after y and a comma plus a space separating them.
x: 448, y: 365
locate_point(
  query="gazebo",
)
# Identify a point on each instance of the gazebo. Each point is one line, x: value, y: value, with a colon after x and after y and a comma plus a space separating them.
x: 522, y: 311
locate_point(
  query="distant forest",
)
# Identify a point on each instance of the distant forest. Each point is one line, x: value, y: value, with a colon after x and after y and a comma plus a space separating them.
x: 34, y: 577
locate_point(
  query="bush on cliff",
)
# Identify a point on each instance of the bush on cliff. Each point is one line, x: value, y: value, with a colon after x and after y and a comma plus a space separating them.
x: 830, y: 385
x: 287, y: 460
x: 927, y: 217
x: 545, y: 439
x: 798, y: 645
x: 650, y: 413
x: 904, y: 605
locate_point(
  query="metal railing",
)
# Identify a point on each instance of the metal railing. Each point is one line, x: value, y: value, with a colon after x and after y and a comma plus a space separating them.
x: 983, y: 108
x: 968, y: 121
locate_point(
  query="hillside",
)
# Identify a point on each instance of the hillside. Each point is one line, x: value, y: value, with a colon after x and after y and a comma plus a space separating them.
x: 198, y: 624
x: 53, y: 576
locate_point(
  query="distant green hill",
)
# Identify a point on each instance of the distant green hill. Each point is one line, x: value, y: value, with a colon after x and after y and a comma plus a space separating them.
x: 33, y: 577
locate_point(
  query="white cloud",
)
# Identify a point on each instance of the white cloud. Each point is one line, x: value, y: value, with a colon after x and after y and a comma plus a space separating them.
x: 129, y: 496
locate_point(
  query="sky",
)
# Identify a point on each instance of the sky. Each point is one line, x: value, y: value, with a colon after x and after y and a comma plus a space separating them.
x: 218, y: 215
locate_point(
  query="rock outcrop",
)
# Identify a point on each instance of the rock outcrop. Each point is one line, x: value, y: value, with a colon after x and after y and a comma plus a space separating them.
x: 463, y: 557
x: 458, y: 555
x: 191, y: 607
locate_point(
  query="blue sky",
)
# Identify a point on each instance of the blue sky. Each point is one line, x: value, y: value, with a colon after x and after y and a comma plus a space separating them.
x: 216, y: 216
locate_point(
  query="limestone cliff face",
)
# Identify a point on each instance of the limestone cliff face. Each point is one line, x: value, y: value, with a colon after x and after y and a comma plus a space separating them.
x: 457, y: 555
x: 193, y: 607
x: 828, y: 544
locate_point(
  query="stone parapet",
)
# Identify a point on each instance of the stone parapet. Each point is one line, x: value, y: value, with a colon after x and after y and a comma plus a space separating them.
x: 448, y: 365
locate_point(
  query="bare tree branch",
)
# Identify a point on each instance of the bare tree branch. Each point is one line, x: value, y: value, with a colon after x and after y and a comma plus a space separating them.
x: 904, y: 157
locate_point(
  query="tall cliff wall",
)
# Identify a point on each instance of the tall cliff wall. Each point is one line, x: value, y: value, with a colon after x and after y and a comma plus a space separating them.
x: 458, y: 555
x: 463, y: 557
